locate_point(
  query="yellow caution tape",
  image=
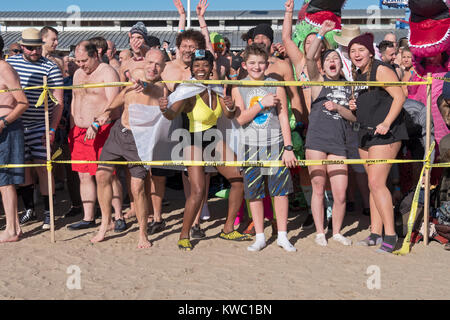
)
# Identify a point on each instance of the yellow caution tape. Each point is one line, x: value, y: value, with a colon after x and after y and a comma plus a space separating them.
x: 43, y: 96
x: 406, y: 246
x: 302, y: 83
x: 185, y: 163
x: 232, y: 82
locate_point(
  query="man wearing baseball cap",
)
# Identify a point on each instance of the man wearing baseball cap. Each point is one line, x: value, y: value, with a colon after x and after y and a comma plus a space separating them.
x: 32, y: 67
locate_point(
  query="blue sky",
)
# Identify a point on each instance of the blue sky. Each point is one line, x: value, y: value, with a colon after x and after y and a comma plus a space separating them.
x: 113, y: 5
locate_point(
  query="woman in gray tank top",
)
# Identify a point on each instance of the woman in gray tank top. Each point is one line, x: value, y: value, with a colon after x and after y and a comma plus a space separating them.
x: 325, y: 139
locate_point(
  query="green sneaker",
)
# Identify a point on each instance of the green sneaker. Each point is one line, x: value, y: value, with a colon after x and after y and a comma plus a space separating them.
x: 235, y: 236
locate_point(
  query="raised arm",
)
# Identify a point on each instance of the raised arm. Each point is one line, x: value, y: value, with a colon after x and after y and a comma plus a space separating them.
x: 182, y: 13
x: 201, y: 9
x: 293, y: 52
x: 314, y: 51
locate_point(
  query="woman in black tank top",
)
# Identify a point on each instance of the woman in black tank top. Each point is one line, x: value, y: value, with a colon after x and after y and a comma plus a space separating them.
x: 378, y: 110
x: 325, y: 138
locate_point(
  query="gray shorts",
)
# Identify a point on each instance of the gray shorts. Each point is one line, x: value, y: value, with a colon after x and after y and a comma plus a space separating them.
x: 12, y: 152
x: 279, y: 181
x: 120, y: 145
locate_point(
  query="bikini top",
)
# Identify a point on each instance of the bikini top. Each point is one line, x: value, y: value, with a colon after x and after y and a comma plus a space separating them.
x: 202, y: 117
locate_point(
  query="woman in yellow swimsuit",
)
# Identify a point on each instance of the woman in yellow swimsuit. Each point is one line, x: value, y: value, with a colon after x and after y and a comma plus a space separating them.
x: 203, y: 110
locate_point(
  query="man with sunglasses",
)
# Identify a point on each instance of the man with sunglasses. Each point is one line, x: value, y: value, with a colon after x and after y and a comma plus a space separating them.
x: 14, y: 48
x: 32, y: 67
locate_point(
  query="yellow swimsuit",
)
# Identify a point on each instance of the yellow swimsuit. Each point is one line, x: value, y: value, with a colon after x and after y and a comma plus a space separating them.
x: 202, y: 117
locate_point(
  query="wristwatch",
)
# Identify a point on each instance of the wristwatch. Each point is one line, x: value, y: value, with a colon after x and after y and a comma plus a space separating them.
x: 5, y: 122
x: 289, y: 148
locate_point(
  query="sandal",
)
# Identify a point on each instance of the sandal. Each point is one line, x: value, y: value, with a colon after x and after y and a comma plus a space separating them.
x: 234, y: 236
x: 185, y: 245
x: 250, y: 230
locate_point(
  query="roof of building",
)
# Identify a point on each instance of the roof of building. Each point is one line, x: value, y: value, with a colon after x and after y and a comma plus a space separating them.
x: 68, y: 38
x: 173, y: 15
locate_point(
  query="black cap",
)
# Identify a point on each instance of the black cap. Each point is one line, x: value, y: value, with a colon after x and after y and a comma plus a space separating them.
x: 264, y: 29
x: 153, y: 41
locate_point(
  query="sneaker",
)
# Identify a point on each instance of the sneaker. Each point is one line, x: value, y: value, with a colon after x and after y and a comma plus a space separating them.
x: 156, y: 227
x: 250, y: 230
x: 321, y: 240
x: 81, y: 225
x: 73, y: 211
x: 29, y: 215
x: 120, y: 225
x: 197, y: 232
x: 309, y: 222
x: 46, y: 225
x: 341, y: 239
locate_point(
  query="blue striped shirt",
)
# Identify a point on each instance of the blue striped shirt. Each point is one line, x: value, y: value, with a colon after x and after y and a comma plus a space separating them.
x: 32, y: 74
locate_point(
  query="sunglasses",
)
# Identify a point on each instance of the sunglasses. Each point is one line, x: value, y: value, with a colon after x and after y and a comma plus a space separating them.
x: 32, y: 48
x: 16, y: 50
x: 200, y: 54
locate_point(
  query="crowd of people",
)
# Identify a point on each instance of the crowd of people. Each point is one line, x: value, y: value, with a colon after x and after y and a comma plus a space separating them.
x: 273, y: 123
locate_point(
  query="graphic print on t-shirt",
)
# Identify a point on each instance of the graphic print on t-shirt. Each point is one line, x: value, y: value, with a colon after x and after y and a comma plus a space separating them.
x: 340, y: 96
x: 263, y: 117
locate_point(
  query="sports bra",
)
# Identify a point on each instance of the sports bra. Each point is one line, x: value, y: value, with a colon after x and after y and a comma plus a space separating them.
x: 202, y: 117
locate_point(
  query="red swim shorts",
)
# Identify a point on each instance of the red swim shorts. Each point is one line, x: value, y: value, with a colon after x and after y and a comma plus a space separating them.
x: 88, y: 150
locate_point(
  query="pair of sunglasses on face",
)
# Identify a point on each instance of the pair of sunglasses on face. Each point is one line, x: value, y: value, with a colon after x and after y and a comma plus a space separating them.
x: 32, y: 48
x: 16, y: 51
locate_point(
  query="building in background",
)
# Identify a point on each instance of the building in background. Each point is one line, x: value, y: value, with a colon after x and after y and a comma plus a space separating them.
x: 163, y: 24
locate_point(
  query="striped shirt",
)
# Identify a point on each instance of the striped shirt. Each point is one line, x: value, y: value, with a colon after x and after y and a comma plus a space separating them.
x: 32, y: 74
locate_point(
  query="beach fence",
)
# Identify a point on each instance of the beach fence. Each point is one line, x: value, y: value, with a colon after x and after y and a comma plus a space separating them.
x: 424, y: 180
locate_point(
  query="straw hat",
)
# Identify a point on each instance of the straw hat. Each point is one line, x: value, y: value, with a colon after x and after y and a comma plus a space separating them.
x: 348, y: 33
x: 31, y: 37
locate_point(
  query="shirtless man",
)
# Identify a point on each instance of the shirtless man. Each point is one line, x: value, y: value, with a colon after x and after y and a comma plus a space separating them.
x: 111, y: 54
x: 50, y: 36
x: 139, y: 47
x: 12, y: 105
x: 124, y: 56
x: 121, y: 145
x: 87, y: 137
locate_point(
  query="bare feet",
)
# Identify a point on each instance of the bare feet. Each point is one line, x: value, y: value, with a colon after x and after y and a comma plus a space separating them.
x: 100, y: 236
x: 7, y: 237
x: 144, y: 243
x: 130, y: 214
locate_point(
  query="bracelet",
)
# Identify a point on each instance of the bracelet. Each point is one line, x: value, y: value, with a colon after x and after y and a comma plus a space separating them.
x: 397, y: 188
x: 95, y: 124
x: 260, y: 104
x: 52, y: 130
x: 234, y: 76
x: 181, y: 30
x: 319, y: 36
x: 299, y: 124
x: 164, y: 111
x: 231, y: 110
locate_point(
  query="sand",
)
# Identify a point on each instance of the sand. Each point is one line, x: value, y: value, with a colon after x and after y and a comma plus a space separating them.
x: 33, y: 268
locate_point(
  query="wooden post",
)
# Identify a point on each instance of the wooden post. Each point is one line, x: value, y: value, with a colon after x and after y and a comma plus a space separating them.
x: 49, y: 172
x: 426, y: 204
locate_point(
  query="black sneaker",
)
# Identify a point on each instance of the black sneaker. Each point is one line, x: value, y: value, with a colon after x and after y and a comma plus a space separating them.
x: 29, y: 215
x: 81, y: 225
x: 197, y: 232
x: 73, y: 211
x: 46, y: 224
x: 156, y: 227
x: 120, y: 225
x: 309, y: 222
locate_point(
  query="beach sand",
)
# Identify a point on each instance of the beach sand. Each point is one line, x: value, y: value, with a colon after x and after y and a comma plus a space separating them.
x: 34, y: 268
